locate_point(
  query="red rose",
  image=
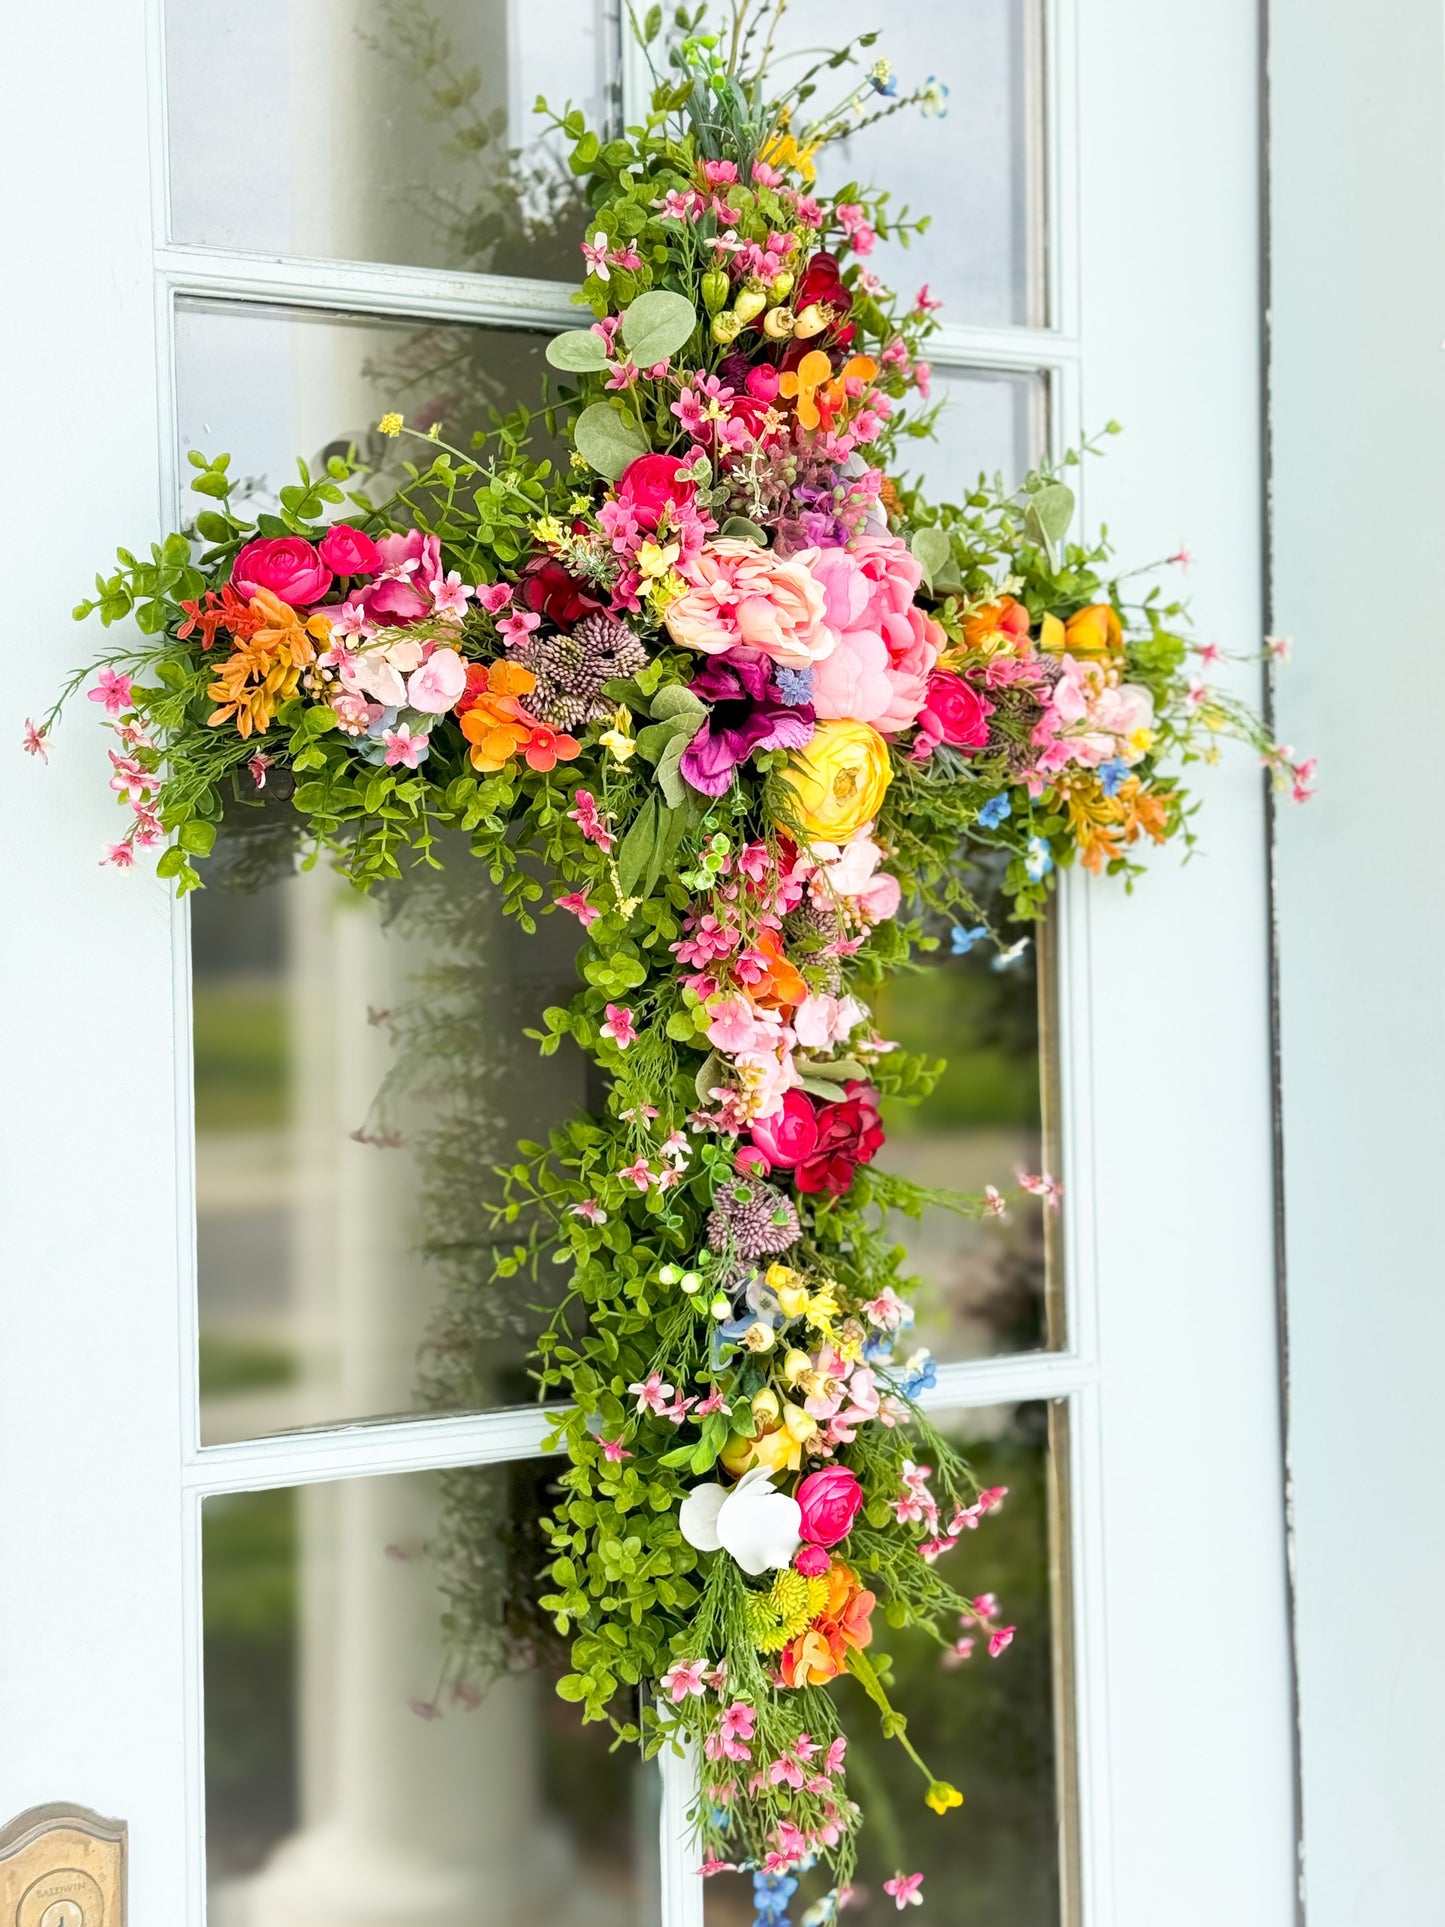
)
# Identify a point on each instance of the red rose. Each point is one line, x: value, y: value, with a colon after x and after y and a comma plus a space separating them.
x: 849, y: 1134
x: 790, y: 1135
x: 284, y: 564
x: 650, y: 484
x: 549, y: 591
x: 829, y: 1501
x: 349, y: 551
x: 954, y: 712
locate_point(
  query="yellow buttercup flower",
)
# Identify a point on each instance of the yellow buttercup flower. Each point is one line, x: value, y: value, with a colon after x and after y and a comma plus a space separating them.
x: 391, y: 425
x: 839, y: 778
x: 941, y: 1796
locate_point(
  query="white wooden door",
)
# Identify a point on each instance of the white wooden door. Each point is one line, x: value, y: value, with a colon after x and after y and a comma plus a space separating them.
x: 207, y: 246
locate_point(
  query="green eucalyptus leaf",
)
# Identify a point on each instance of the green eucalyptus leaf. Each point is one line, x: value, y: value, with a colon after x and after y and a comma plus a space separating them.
x: 932, y: 551
x: 738, y: 528
x: 607, y: 441
x: 656, y: 325
x: 578, y: 351
x: 678, y: 700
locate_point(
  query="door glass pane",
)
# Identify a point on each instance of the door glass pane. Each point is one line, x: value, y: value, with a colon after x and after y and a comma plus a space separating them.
x: 990, y: 1285
x: 977, y: 170
x: 351, y: 1773
x: 360, y: 1067
x: 995, y: 1727
x: 988, y: 423
x: 382, y: 130
x: 265, y: 385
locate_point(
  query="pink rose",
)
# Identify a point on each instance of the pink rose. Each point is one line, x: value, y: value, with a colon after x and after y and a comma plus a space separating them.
x: 349, y: 551
x: 744, y: 595
x: 401, y: 594
x: 439, y: 683
x: 789, y: 1134
x: 284, y: 564
x: 887, y: 645
x: 829, y: 1501
x: 954, y: 712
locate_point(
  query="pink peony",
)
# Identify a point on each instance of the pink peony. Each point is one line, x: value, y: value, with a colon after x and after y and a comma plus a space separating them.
x: 349, y: 551
x: 439, y: 683
x: 409, y: 562
x: 742, y: 594
x: 284, y: 564
x: 887, y: 646
x: 829, y: 1501
x: 790, y: 1134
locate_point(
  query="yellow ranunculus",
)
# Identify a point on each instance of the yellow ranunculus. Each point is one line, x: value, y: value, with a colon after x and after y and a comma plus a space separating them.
x: 1095, y: 631
x: 839, y: 779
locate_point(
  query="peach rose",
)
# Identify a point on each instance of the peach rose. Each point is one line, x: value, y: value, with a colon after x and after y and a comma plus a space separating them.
x: 886, y: 644
x: 742, y: 595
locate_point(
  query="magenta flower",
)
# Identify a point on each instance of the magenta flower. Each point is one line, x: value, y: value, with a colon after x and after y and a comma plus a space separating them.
x: 747, y: 714
x: 615, y: 1452
x: 121, y: 855
x: 585, y: 815
x: 493, y: 596
x: 404, y: 747
x: 683, y: 1679
x: 652, y: 1394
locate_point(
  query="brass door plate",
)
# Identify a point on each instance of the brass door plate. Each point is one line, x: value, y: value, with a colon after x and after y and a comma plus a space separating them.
x: 62, y: 1866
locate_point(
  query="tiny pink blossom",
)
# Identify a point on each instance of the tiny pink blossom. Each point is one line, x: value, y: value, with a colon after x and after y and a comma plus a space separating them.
x: 517, y: 627
x: 594, y: 253
x: 652, y: 1393
x: 786, y: 1772
x: 589, y: 1209
x: 1182, y: 558
x: 585, y: 816
x: 1000, y: 1640
x: 1210, y: 654
x: 1278, y: 647
x: 833, y: 1759
x: 714, y: 1402
x: 619, y: 1026
x: 994, y: 1201
x: 624, y: 375
x: 586, y: 913
x: 121, y: 855
x: 449, y: 595
x: 1042, y: 1186
x: 405, y: 749
x: 257, y: 767
x: 924, y: 302
x: 766, y: 176
x: 615, y: 1452
x: 985, y: 1605
x: 678, y: 1410
x: 717, y: 1679
x: 111, y: 689
x: 493, y: 596
x: 959, y: 1653
x: 639, y: 1174
x: 904, y: 1890
x: 710, y: 1867
x: 36, y: 741
x: 682, y: 1679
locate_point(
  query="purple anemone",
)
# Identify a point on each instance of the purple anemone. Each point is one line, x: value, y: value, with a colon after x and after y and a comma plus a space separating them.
x: 748, y: 712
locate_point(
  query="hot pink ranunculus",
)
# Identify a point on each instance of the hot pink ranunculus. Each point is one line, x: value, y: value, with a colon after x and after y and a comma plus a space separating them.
x: 829, y: 1501
x: 955, y: 713
x: 743, y: 595
x: 650, y: 484
x: 789, y: 1134
x: 887, y: 645
x: 284, y: 564
x: 349, y: 551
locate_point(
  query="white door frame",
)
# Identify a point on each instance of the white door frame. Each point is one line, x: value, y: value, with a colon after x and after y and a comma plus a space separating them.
x: 1183, y: 1722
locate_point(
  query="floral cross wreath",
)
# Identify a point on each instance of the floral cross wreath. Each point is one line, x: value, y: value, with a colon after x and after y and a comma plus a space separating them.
x: 771, y: 719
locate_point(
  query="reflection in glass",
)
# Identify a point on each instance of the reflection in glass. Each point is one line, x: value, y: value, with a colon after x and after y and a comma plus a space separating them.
x: 360, y: 1067
x: 989, y: 422
x: 383, y: 130
x: 989, y: 1285
x: 265, y: 385
x: 350, y: 1777
x: 978, y: 170
x: 991, y: 1726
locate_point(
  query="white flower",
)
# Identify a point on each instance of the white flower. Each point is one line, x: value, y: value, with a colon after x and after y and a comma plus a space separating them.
x: 758, y: 1526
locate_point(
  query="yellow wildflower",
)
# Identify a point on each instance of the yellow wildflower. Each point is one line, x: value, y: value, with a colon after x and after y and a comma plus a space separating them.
x: 391, y: 425
x: 941, y: 1796
x: 616, y: 741
x: 654, y: 560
